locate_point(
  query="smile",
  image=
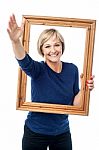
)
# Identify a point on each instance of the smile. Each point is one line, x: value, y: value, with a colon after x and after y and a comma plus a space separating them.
x: 53, y: 55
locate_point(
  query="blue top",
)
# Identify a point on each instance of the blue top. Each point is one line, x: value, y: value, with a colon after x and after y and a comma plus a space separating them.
x: 50, y: 87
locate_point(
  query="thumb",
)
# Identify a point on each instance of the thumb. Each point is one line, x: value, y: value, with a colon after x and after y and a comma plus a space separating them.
x: 81, y: 77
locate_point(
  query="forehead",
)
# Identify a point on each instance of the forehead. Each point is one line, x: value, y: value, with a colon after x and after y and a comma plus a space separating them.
x: 52, y: 39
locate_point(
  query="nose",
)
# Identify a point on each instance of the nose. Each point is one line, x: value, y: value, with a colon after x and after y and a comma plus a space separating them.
x: 53, y: 49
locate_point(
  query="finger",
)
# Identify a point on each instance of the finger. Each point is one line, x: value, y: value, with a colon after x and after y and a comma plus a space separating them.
x: 22, y: 24
x: 90, y: 84
x: 13, y: 19
x: 90, y: 87
x: 10, y: 25
x: 92, y: 77
x: 12, y: 22
x: 90, y: 81
x: 9, y: 33
x: 81, y: 78
x: 15, y: 27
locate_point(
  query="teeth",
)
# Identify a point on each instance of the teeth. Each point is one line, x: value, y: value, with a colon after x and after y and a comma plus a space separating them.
x: 54, y: 55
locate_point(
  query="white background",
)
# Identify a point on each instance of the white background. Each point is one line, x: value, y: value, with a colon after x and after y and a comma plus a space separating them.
x: 84, y: 129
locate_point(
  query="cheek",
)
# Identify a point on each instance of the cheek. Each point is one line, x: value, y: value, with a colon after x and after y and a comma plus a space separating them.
x: 60, y: 50
x: 45, y: 51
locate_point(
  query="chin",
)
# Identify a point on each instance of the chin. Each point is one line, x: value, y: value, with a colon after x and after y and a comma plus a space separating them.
x: 54, y: 61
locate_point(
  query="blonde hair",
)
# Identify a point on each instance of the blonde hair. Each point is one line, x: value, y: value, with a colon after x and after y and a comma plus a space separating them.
x: 45, y: 36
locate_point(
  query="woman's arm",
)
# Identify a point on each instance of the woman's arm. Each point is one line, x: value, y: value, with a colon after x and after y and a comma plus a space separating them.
x: 15, y: 33
x: 77, y: 99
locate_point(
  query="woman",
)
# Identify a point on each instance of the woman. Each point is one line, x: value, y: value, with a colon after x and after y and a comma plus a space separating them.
x: 52, y: 81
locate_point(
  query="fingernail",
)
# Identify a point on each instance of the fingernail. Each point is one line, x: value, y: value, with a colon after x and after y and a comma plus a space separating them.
x: 91, y: 77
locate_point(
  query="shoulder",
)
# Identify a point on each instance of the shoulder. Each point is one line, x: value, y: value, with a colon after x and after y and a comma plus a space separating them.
x: 70, y: 65
x: 70, y: 69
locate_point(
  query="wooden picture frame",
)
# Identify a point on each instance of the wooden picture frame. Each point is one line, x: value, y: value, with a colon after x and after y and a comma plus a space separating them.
x: 87, y: 24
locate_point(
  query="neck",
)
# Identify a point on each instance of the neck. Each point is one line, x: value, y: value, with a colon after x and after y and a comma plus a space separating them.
x: 55, y: 66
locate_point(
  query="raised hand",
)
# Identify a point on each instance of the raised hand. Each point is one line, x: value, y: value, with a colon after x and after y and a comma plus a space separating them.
x: 13, y: 30
x: 15, y: 33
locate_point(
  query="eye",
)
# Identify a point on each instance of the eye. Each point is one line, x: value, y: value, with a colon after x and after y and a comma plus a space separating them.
x: 48, y: 46
x: 57, y: 45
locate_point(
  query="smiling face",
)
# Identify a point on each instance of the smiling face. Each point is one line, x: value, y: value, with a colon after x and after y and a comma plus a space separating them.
x: 52, y: 50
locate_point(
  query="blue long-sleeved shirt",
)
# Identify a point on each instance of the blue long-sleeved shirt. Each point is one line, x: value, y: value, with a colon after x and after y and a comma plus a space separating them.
x: 50, y: 87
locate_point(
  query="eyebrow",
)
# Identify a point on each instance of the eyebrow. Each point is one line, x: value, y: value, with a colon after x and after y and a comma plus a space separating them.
x: 54, y: 43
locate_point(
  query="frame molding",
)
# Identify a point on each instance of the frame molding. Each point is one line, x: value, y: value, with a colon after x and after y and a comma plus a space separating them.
x: 90, y: 26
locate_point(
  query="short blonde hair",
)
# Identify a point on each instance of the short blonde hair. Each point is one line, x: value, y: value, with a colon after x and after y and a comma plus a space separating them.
x: 45, y: 36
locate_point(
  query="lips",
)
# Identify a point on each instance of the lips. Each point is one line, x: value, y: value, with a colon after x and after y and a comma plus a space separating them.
x: 53, y: 55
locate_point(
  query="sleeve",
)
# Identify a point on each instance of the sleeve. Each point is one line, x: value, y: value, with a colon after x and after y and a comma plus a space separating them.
x: 76, y: 82
x: 29, y: 66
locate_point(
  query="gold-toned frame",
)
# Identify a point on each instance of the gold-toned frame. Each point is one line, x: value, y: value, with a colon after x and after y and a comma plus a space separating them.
x: 90, y: 26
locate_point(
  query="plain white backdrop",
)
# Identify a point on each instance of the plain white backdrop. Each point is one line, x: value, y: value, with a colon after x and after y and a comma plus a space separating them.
x: 84, y: 129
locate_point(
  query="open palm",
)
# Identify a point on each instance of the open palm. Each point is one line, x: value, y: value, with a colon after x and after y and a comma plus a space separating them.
x: 14, y: 31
